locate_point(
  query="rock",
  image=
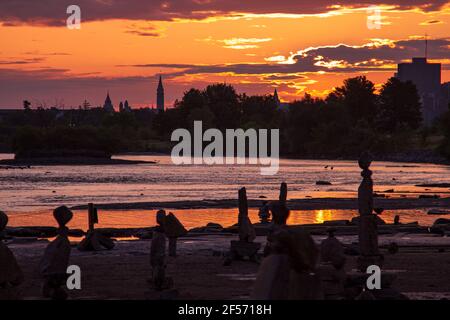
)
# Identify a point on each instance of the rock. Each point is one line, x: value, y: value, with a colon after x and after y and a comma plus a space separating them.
x: 393, y: 248
x: 440, y: 226
x: 211, y: 228
x: 367, y: 222
x: 246, y: 229
x: 76, y: 232
x: 332, y: 251
x: 62, y: 215
x: 241, y: 249
x: 379, y: 195
x: 272, y: 280
x: 351, y: 250
x: 41, y: 232
x: 125, y: 232
x: 10, y: 273
x: 55, y: 261
x: 441, y: 221
x: 3, y: 220
x: 158, y: 256
x: 94, y: 241
x: 173, y: 227
x: 213, y: 225
x: 434, y: 185
x: 379, y: 221
x: 429, y: 196
x: 438, y: 212
x: 336, y: 223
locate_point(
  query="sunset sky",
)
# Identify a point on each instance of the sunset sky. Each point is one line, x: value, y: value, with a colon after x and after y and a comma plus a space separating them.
x: 123, y: 45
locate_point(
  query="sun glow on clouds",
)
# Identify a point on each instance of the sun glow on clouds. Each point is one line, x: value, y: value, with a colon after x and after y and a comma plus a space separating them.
x: 294, y: 52
x: 292, y: 58
x: 239, y: 43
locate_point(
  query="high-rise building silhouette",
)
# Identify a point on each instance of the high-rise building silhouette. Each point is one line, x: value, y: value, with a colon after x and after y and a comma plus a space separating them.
x: 427, y: 78
x: 160, y: 96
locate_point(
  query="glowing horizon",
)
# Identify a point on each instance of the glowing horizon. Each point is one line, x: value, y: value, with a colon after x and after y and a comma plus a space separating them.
x: 298, y: 51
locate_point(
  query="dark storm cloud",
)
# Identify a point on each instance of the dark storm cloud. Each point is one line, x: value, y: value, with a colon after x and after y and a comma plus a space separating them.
x: 53, y: 12
x: 398, y: 50
x: 369, y: 57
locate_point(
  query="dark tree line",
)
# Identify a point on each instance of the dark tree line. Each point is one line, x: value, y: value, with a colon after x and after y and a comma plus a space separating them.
x: 352, y: 118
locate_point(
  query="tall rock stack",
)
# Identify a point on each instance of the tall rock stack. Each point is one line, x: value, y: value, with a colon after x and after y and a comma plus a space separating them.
x: 244, y: 247
x: 368, y: 231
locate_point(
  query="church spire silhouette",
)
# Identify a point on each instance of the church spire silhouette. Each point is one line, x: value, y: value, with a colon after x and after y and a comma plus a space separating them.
x: 160, y: 96
x: 276, y: 98
x: 108, y: 106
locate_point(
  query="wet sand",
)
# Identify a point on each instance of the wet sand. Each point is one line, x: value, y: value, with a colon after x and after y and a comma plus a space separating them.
x: 422, y: 266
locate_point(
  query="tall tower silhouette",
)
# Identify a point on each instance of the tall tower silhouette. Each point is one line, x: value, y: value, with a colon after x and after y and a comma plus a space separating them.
x: 160, y: 96
x: 108, y: 106
x: 276, y: 98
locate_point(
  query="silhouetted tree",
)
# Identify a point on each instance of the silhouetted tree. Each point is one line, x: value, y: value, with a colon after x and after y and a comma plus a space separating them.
x: 223, y: 102
x: 26, y: 105
x: 86, y: 105
x: 358, y: 96
x: 399, y: 106
x: 259, y: 111
x: 192, y: 99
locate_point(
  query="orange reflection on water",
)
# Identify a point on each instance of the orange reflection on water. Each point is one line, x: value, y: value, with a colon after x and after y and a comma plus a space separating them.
x: 323, y: 215
x: 192, y: 218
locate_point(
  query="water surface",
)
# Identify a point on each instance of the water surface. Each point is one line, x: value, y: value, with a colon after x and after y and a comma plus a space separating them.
x: 30, y: 194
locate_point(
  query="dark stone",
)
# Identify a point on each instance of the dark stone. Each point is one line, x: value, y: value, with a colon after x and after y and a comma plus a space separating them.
x: 336, y: 223
x: 323, y: 183
x: 214, y: 225
x: 429, y: 196
x: 393, y: 248
x: 240, y: 249
x: 356, y: 220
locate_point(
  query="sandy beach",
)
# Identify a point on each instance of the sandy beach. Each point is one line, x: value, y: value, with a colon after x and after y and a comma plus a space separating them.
x: 421, y: 266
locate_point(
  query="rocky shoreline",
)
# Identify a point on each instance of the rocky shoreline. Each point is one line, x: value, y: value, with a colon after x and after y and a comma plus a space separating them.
x: 342, y: 227
x: 122, y: 272
x: 294, y: 204
x: 73, y: 161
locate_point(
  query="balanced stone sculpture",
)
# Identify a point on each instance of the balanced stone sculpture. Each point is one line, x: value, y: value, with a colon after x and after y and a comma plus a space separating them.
x: 53, y: 266
x: 94, y: 240
x: 11, y: 275
x: 158, y: 254
x: 332, y: 267
x: 173, y: 229
x: 368, y: 232
x: 245, y: 247
x: 289, y: 269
